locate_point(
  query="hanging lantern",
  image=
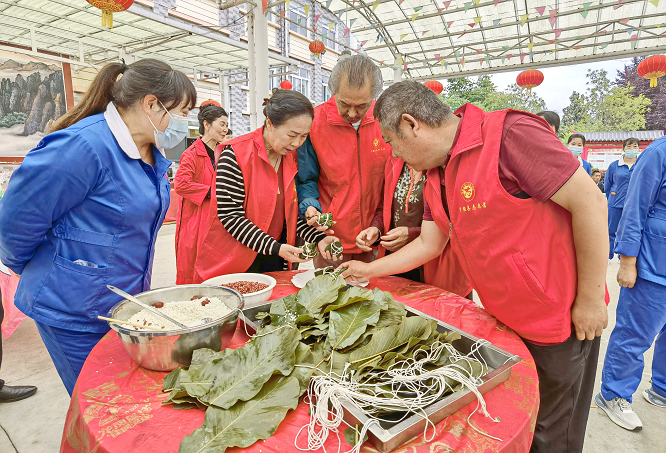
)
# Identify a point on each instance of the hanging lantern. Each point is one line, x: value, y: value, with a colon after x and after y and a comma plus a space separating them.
x: 529, y: 79
x: 317, y: 47
x: 286, y: 85
x: 210, y: 102
x: 652, y: 68
x: 109, y: 7
x: 435, y: 86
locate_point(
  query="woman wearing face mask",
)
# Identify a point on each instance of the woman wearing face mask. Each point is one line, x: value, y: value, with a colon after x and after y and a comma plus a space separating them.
x: 84, y: 208
x: 257, y: 205
x: 616, y: 185
x: 193, y: 182
x: 576, y: 143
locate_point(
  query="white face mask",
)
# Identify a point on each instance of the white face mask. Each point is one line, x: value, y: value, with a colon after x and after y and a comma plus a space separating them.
x: 175, y: 132
x: 576, y: 150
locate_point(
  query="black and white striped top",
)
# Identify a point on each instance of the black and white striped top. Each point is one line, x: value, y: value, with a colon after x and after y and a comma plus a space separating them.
x: 230, y: 192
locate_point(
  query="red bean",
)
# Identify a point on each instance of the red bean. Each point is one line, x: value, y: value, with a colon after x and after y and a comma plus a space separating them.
x: 205, y: 302
x: 245, y: 287
x: 196, y: 297
x: 158, y: 304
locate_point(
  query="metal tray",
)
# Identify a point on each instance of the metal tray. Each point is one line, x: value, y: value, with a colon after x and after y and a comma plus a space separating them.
x: 388, y: 436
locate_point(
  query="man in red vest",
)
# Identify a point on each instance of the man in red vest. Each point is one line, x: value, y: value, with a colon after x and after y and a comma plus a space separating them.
x: 529, y: 227
x: 341, y: 164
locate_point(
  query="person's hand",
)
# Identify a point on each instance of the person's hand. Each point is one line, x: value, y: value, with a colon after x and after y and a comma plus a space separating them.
x: 395, y: 239
x: 627, y: 274
x: 311, y: 216
x: 589, y: 317
x: 291, y: 253
x: 356, y: 271
x: 322, y: 248
x: 367, y: 237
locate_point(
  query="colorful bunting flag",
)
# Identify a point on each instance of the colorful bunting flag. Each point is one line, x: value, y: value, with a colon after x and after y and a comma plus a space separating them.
x: 496, y: 22
x: 314, y: 29
x: 324, y: 34
x: 508, y: 56
x: 404, y: 67
x: 423, y: 33
x: 306, y: 8
x: 503, y: 58
x: 402, y: 36
x: 425, y: 64
x: 351, y: 22
x: 328, y: 4
x: 522, y: 57
x: 558, y: 32
x: 442, y: 64
x: 447, y: 4
x: 446, y: 65
x: 400, y: 2
x: 462, y: 61
x: 449, y: 23
x: 634, y: 44
x: 496, y: 2
x: 505, y: 48
x: 399, y: 61
x: 418, y: 8
x: 604, y: 45
x: 286, y: 3
x: 523, y: 18
x: 624, y: 21
x: 375, y: 5
x: 481, y: 60
x: 531, y: 54
x: 620, y: 5
x: 634, y: 37
x: 437, y: 56
x: 530, y: 45
x: 346, y: 32
x: 457, y: 53
x: 463, y: 34
x: 477, y: 20
x: 541, y: 10
x: 282, y: 15
x: 476, y: 2
x: 439, y: 10
x: 330, y: 26
x: 585, y: 11
x: 340, y: 13
x: 264, y: 4
x: 414, y: 16
x: 467, y: 6
x: 655, y: 2
x: 630, y: 30
x: 553, y: 18
x: 317, y: 17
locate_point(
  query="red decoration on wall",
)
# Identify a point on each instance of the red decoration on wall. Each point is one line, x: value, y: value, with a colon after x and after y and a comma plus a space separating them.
x: 652, y: 68
x: 109, y: 7
x: 286, y: 85
x: 210, y: 102
x: 529, y: 79
x: 317, y: 47
x: 435, y: 86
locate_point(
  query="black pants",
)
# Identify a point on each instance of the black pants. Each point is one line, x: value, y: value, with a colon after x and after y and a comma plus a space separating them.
x: 267, y: 263
x: 566, y: 382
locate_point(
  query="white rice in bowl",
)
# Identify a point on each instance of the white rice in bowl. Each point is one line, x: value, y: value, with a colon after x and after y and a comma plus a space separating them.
x: 188, y: 312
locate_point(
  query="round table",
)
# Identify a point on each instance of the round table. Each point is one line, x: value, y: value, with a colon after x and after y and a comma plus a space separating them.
x: 116, y: 405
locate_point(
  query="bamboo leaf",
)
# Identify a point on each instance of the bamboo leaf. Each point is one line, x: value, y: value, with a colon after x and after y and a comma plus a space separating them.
x: 246, y: 422
x: 348, y: 323
x: 394, y: 336
x: 348, y: 296
x: 243, y: 371
x: 319, y: 292
x: 304, y: 366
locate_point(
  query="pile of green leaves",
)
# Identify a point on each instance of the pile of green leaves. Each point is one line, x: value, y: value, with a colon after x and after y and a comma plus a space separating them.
x: 248, y: 391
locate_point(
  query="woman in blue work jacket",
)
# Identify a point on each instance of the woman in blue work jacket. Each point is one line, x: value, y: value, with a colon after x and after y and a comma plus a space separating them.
x: 576, y: 143
x: 641, y: 310
x: 617, y: 183
x: 84, y: 208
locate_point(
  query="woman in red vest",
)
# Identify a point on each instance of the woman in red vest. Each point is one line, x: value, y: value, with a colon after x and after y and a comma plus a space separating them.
x: 397, y: 222
x: 255, y: 222
x: 193, y: 183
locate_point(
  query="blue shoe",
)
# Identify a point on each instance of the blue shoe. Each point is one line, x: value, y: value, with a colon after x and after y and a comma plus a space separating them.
x: 653, y: 397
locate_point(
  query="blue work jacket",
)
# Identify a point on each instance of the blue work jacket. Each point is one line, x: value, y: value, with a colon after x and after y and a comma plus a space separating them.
x: 80, y: 214
x: 617, y: 183
x: 642, y: 229
x: 587, y: 166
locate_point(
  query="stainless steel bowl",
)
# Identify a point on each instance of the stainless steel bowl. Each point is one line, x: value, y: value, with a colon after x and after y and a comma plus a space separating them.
x: 166, y: 351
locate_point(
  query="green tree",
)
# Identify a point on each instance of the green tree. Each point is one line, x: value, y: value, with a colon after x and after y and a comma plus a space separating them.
x: 515, y: 97
x: 483, y: 93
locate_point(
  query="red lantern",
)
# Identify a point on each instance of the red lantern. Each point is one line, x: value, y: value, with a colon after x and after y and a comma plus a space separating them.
x: 210, y: 102
x: 529, y: 79
x: 317, y: 47
x: 435, y: 86
x: 286, y: 85
x: 109, y: 7
x: 652, y: 68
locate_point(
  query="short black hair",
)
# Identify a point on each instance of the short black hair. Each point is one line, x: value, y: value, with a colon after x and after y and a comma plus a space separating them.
x: 596, y: 171
x: 552, y: 118
x: 629, y: 141
x: 572, y: 136
x: 209, y: 113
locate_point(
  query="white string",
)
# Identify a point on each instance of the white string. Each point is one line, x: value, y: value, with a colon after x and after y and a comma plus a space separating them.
x: 406, y: 386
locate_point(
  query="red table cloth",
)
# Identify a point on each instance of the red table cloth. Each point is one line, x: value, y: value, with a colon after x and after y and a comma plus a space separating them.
x: 116, y: 405
x: 13, y: 316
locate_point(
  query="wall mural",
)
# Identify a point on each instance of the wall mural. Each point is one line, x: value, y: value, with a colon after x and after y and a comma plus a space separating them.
x: 32, y: 97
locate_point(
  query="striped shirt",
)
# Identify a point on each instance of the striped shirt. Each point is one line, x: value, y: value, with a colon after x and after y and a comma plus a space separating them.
x: 230, y: 192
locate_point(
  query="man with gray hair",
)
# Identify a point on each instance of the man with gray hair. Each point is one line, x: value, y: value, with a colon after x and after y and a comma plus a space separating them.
x: 341, y: 164
x: 529, y: 228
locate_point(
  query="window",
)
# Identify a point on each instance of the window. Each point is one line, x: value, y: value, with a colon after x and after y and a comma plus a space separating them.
x: 327, y: 91
x: 324, y: 24
x: 297, y: 14
x: 301, y: 82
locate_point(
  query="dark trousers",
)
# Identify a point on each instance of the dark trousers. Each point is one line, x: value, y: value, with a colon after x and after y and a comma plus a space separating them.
x: 567, y: 373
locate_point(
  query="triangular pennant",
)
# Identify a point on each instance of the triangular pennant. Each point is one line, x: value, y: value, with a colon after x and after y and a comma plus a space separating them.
x: 446, y: 65
x: 363, y: 43
x: 402, y: 36
x: 577, y: 47
x: 282, y: 15
x: 471, y: 25
x: 503, y: 58
x: 602, y: 32
x: 317, y: 17
x: 306, y: 8
x: 634, y: 37
x: 330, y: 26
x: 314, y: 29
x: 457, y: 53
x: 496, y: 2
x: 655, y: 2
x: 477, y: 20
x: 378, y: 36
x: 476, y: 2
x: 505, y: 48
x: 495, y: 22
x: 552, y: 21
x: 604, y: 45
x: 437, y: 56
x: 382, y: 39
x: 381, y: 63
x: 286, y: 3
x: 634, y: 44
x: 624, y: 21
x: 531, y: 54
x: 630, y: 30
x: 400, y: 2
x: 541, y: 10
x: 449, y: 23
x: 553, y: 12
x: 340, y: 14
x: 558, y: 32
x: 375, y: 5
x: 324, y: 34
x: 481, y: 60
x: 463, y: 34
x: 443, y: 63
x: 346, y: 32
x: 552, y: 41
x: 522, y: 57
x: 299, y: 21
x: 328, y: 4
x: 404, y: 67
x: 487, y: 59
x: 439, y: 10
x: 414, y: 16
x: 467, y: 6
x: 586, y: 5
x: 462, y: 62
x: 523, y: 18
x: 418, y: 8
x: 530, y: 45
x: 447, y: 4
x: 584, y: 14
x: 508, y: 56
x: 399, y: 61
x: 264, y: 4
x: 351, y: 22
x: 425, y: 64
x: 423, y: 33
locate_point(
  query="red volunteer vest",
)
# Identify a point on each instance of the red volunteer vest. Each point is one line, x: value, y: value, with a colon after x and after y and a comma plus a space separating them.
x: 222, y: 254
x: 351, y: 170
x: 518, y: 253
x: 444, y: 271
x: 192, y: 182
